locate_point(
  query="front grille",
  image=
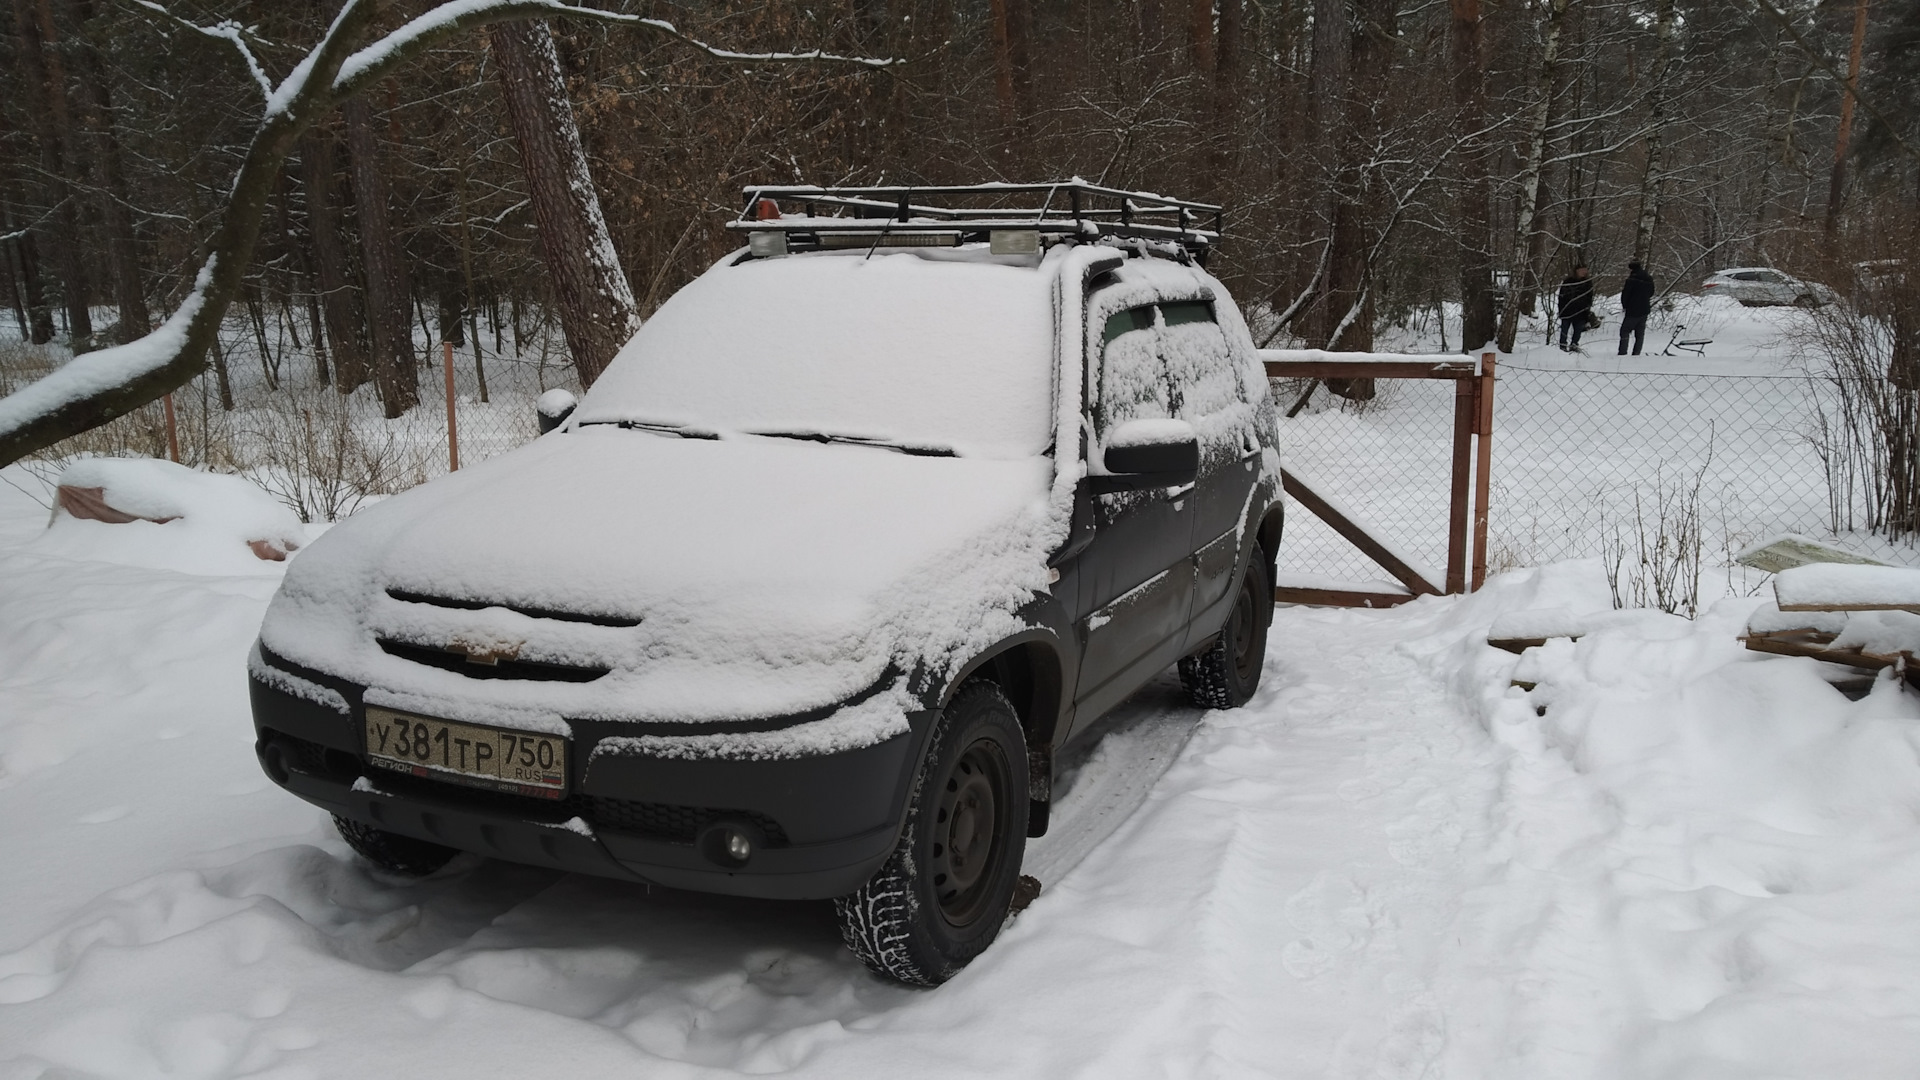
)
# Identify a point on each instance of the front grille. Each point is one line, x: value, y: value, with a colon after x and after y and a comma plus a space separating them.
x: 595, y: 618
x: 532, y: 670
x: 665, y: 821
x: 655, y: 821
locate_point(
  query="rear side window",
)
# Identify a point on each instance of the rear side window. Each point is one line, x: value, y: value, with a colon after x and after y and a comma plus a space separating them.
x: 1183, y: 312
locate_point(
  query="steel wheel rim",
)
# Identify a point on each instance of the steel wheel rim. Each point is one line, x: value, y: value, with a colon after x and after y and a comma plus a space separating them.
x: 967, y: 849
x: 1245, y: 659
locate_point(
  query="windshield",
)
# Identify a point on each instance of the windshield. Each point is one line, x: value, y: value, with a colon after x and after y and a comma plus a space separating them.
x: 896, y: 349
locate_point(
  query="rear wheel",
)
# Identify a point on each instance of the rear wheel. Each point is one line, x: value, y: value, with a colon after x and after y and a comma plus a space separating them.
x: 943, y: 895
x: 392, y: 852
x: 1228, y: 672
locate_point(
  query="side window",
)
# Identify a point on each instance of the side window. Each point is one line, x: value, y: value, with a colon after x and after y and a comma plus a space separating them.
x: 1133, y: 379
x: 1183, y: 312
x: 1198, y: 360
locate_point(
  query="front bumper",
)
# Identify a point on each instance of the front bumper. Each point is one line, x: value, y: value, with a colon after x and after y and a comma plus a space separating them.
x: 828, y: 821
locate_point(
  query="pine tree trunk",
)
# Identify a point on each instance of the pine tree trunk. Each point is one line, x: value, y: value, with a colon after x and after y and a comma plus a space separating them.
x: 338, y: 298
x: 597, y: 311
x: 123, y: 246
x: 26, y: 256
x: 1474, y: 226
x: 395, y: 372
x: 43, y: 77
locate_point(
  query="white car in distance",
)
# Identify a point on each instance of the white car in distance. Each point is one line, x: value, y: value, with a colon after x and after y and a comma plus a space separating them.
x: 1760, y: 286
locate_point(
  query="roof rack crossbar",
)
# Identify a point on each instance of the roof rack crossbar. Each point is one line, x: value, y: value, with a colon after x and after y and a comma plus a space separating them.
x: 1089, y: 211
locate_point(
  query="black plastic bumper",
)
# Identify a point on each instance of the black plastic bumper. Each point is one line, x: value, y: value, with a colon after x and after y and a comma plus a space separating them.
x: 828, y: 821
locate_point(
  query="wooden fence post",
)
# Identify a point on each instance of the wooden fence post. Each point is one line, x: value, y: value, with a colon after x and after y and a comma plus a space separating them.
x: 173, y: 431
x: 1483, y: 467
x: 1465, y: 421
x: 453, y: 425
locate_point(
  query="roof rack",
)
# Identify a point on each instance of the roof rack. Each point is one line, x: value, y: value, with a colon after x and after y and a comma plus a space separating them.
x: 1013, y: 218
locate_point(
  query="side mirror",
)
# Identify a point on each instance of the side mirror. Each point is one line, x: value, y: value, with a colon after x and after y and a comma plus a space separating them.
x: 1143, y: 454
x: 553, y: 408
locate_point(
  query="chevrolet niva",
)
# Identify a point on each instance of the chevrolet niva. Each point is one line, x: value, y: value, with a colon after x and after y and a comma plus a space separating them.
x: 805, y: 594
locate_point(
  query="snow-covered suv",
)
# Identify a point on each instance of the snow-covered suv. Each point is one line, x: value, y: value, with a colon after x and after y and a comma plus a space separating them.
x: 803, y: 598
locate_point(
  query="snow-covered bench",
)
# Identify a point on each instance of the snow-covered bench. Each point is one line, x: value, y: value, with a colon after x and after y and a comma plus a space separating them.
x: 1865, y: 617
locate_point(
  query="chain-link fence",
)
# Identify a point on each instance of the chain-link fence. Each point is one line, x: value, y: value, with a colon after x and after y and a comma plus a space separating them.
x: 1584, y: 464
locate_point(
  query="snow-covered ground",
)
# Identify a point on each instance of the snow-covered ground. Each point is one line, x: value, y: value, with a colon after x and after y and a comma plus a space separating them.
x: 1673, y: 858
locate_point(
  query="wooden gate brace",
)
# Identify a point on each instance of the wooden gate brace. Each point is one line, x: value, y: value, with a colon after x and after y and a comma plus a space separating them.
x: 1471, y: 481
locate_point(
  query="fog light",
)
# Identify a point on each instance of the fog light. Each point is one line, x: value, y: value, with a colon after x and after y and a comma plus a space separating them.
x: 730, y: 844
x: 274, y: 761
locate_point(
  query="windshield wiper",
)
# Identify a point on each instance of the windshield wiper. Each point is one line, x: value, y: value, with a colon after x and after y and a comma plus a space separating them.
x: 913, y: 449
x: 662, y: 429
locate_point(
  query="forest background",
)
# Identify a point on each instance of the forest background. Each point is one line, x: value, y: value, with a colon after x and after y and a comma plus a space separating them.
x: 1378, y: 159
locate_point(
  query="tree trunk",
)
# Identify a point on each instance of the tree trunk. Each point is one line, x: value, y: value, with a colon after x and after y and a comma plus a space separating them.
x: 27, y: 257
x: 338, y: 299
x: 1012, y: 83
x: 1474, y: 218
x: 1837, y: 181
x: 395, y: 372
x: 308, y: 289
x: 44, y: 79
x: 1327, y: 94
x: 1526, y: 234
x: 597, y: 311
x: 1222, y: 140
x: 1653, y: 181
x: 123, y: 246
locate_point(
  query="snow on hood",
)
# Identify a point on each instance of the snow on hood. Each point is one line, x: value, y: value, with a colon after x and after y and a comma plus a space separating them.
x: 768, y: 576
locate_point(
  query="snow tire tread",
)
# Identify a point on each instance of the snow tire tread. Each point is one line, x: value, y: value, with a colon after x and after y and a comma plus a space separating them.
x: 883, y: 922
x: 392, y: 852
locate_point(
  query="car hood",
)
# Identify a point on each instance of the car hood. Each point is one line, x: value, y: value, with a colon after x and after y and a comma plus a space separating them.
x: 743, y: 577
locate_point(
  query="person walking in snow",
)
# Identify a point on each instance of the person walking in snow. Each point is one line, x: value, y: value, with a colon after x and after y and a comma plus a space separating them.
x: 1576, y: 303
x: 1636, y: 302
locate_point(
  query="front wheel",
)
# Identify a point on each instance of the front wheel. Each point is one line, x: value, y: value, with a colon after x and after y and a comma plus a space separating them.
x: 942, y: 896
x: 1228, y: 672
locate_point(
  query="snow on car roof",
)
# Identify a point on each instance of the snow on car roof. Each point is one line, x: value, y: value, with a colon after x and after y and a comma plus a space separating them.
x: 950, y: 349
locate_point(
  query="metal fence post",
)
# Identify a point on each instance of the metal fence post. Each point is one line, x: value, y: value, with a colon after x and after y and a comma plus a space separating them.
x: 1483, y: 466
x: 453, y: 425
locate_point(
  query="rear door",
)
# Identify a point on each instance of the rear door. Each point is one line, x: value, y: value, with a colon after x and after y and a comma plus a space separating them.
x: 1137, y: 573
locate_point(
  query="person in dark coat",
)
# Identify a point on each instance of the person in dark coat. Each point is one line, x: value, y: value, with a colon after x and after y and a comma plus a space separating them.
x: 1576, y: 303
x: 1636, y: 302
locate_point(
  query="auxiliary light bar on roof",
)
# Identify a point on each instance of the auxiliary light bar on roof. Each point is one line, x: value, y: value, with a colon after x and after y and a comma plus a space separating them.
x: 841, y: 217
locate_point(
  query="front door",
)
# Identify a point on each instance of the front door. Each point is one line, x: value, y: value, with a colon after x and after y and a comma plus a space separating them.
x: 1137, y: 574
x: 1215, y: 400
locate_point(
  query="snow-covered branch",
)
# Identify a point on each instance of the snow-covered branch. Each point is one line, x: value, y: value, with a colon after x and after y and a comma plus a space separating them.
x: 448, y: 20
x: 225, y: 30
x: 97, y: 387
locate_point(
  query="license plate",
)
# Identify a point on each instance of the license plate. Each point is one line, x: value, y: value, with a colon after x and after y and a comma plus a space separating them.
x: 521, y: 762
